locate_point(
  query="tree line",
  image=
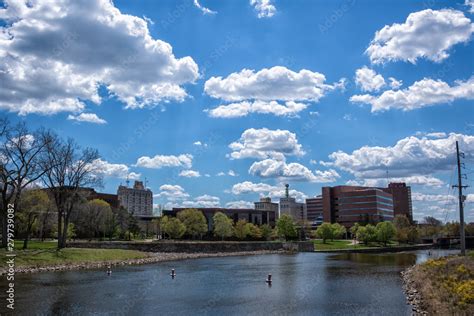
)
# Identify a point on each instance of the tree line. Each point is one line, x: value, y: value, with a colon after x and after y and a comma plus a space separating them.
x: 192, y: 223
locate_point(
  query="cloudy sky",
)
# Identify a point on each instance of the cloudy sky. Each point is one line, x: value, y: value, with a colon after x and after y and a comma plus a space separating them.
x: 216, y: 103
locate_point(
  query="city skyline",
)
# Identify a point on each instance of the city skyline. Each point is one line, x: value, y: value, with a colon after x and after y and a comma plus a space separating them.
x: 218, y: 103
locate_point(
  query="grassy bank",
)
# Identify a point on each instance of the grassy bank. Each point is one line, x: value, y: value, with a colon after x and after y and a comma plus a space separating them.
x: 445, y: 285
x: 345, y: 244
x: 41, y: 254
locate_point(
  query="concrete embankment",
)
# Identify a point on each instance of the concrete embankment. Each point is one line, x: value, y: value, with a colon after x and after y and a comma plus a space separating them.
x: 379, y: 249
x: 198, y: 246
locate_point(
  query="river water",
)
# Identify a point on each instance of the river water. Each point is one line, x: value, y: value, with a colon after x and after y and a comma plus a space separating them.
x: 303, y: 284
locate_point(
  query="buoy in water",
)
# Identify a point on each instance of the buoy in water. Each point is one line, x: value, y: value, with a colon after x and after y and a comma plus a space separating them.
x: 269, y: 279
x: 173, y: 273
x: 109, y: 270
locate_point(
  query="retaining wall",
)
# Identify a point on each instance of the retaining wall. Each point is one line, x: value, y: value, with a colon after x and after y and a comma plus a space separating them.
x: 198, y: 246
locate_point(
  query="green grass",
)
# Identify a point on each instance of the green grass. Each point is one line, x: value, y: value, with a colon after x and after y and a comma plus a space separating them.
x: 345, y: 244
x: 33, y: 244
x: 40, y: 254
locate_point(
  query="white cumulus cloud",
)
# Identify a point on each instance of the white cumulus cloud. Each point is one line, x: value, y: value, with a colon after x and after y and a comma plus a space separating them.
x: 264, y: 8
x: 108, y: 169
x: 273, y: 168
x: 87, y: 117
x: 264, y: 189
x: 160, y: 161
x: 189, y: 174
x: 423, y: 93
x: 55, y: 54
x: 425, y: 34
x: 410, y: 156
x: 264, y: 143
x: 244, y: 108
x: 368, y: 80
x: 277, y: 90
x: 240, y: 204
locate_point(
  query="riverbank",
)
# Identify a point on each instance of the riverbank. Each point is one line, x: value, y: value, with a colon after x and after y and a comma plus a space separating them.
x: 443, y: 286
x: 348, y: 246
x: 78, y: 259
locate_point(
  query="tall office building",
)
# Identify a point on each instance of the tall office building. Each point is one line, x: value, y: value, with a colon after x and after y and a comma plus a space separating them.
x: 348, y: 205
x: 401, y: 194
x: 289, y: 206
x: 137, y: 200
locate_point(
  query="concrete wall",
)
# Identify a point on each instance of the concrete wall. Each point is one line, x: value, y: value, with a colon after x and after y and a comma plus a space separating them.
x: 198, y: 246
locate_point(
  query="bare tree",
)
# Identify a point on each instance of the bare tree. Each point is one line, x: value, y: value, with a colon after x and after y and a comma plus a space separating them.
x: 69, y: 170
x: 21, y: 153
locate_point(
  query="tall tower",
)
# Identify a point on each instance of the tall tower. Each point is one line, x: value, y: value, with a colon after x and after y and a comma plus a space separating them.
x: 287, y: 191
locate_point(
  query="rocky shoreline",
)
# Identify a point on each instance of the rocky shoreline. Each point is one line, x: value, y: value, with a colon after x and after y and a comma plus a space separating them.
x: 153, y: 258
x: 412, y: 294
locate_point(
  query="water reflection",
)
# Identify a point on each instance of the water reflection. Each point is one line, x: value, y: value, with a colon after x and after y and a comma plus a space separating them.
x: 303, y: 284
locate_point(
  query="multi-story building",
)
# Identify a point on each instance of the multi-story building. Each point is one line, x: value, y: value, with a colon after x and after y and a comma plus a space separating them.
x: 289, y: 206
x: 401, y: 194
x: 348, y: 205
x: 137, y: 200
x: 265, y: 204
x: 314, y: 211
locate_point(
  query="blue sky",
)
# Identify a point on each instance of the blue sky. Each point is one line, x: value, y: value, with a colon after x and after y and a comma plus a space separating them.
x: 139, y: 80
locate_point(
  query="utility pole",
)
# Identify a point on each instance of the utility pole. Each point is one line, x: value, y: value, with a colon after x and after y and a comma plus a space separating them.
x: 461, y: 200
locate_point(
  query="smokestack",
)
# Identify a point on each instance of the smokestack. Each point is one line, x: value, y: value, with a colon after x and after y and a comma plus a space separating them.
x: 287, y: 192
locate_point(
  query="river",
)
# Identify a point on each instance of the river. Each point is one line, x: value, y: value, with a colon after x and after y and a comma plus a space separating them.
x: 303, y: 284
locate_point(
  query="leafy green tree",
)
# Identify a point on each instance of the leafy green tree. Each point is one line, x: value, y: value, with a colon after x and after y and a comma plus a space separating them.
x: 413, y: 234
x: 266, y: 231
x: 254, y: 231
x: 353, y: 230
x: 325, y: 231
x: 337, y: 230
x: 32, y: 204
x: 241, y: 229
x: 195, y: 222
x: 172, y: 227
x: 402, y: 235
x: 452, y: 229
x: 366, y: 234
x: 133, y: 227
x: 385, y: 232
x: 401, y: 221
x: 286, y: 227
x: 223, y: 225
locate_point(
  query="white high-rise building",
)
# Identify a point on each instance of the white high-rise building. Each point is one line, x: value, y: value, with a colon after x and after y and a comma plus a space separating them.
x: 288, y: 205
x: 137, y: 200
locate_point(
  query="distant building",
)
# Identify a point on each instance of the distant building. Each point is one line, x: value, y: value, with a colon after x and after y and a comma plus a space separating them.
x: 348, y: 205
x: 289, y: 206
x: 402, y: 204
x: 265, y: 204
x: 314, y: 211
x: 137, y: 200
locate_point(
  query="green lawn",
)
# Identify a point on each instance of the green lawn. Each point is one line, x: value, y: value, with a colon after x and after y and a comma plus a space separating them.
x: 345, y: 244
x: 45, y: 254
x: 33, y: 244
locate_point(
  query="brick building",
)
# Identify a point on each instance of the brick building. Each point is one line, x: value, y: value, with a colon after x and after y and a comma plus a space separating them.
x: 348, y: 205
